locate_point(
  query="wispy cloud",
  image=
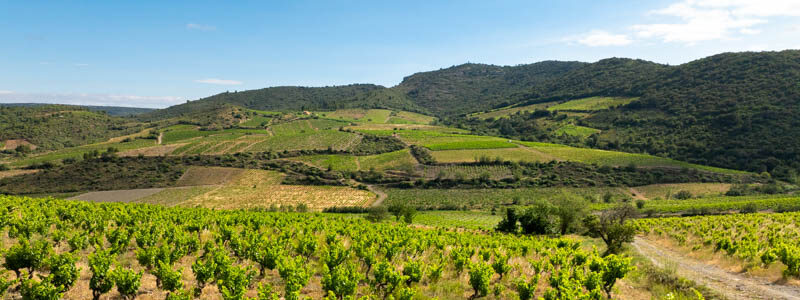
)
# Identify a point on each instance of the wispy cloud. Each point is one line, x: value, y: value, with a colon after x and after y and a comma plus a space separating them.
x: 80, y: 65
x: 707, y: 20
x: 201, y: 27
x: 90, y: 99
x: 219, y: 81
x: 600, y: 38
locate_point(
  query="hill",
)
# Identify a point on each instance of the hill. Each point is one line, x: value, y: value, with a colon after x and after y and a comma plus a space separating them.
x: 290, y: 98
x: 733, y: 110
x: 117, y: 111
x: 49, y: 127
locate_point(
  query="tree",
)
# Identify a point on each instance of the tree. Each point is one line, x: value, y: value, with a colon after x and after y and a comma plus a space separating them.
x: 509, y: 222
x: 377, y: 214
x: 570, y: 209
x: 613, y: 227
x: 538, y: 219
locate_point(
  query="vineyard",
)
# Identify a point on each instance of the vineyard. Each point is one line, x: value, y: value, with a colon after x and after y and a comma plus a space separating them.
x: 78, y: 250
x: 759, y: 240
x: 592, y: 103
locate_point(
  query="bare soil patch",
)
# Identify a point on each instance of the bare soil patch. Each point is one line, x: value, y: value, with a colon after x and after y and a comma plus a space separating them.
x: 116, y: 196
x: 208, y: 176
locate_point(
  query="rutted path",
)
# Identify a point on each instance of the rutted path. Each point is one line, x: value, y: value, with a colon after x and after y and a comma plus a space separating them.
x: 730, y: 285
x: 381, y: 195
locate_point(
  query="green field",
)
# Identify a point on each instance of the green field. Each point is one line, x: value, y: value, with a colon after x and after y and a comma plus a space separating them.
x: 591, y: 103
x: 612, y: 158
x: 479, y: 220
x: 505, y: 112
x: 485, y: 199
x: 575, y: 130
x: 376, y: 116
x: 471, y: 143
x: 466, y: 171
x: 77, y: 152
x: 393, y: 160
x: 507, y: 154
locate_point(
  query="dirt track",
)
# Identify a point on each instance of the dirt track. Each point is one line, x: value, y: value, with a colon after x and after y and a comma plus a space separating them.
x: 730, y: 285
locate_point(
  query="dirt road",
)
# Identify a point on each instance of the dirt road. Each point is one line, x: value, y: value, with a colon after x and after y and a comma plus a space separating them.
x: 730, y: 285
x: 381, y: 195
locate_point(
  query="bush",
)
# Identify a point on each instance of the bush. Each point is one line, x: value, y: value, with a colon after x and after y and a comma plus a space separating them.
x: 539, y: 219
x: 640, y: 204
x: 377, y: 214
x: 509, y: 222
x: 127, y: 281
x: 480, y: 275
x: 4, y: 167
x: 683, y: 195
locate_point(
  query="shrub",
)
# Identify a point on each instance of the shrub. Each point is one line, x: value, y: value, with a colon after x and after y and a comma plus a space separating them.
x: 683, y: 195
x: 377, y: 214
x: 127, y: 281
x: 480, y: 275
x: 613, y: 226
x: 538, y: 219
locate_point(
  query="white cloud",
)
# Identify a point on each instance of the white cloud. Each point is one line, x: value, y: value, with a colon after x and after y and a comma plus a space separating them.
x: 706, y: 20
x: 90, y: 99
x: 600, y: 38
x: 201, y: 27
x: 80, y: 65
x: 218, y: 81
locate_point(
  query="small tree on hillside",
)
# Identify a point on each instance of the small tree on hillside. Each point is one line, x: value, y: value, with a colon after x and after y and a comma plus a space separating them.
x: 570, y: 209
x: 613, y: 227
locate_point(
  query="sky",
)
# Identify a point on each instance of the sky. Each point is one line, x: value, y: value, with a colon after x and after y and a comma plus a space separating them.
x: 160, y: 53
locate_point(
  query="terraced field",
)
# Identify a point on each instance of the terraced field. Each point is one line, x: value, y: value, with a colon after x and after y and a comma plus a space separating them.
x: 376, y: 116
x: 505, y: 112
x: 485, y: 199
x: 591, y: 103
x: 260, y: 188
x: 466, y: 172
x: 393, y: 160
x: 508, y: 154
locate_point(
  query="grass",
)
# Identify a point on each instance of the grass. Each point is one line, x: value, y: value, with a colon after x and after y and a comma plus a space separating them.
x: 576, y: 130
x: 472, y: 155
x: 469, y: 144
x: 332, y: 161
x: 257, y: 121
x: 664, y: 191
x: 401, y: 159
x: 310, y: 140
x: 485, y: 199
x: 174, y: 196
x: 461, y: 171
x: 592, y: 103
x: 207, y: 176
x: 612, y: 158
x: 260, y: 188
x: 77, y: 152
x: 479, y: 220
x: 505, y: 112
x: 393, y: 160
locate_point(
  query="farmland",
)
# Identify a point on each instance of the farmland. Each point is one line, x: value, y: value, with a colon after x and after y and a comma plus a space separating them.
x: 393, y: 160
x: 263, y: 189
x: 591, y: 104
x: 760, y: 244
x: 291, y: 271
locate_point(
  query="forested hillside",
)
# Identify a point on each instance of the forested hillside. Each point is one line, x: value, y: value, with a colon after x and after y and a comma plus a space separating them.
x: 50, y: 127
x: 737, y: 110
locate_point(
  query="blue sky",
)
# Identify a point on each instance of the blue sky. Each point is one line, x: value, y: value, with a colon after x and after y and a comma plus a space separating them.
x: 159, y: 53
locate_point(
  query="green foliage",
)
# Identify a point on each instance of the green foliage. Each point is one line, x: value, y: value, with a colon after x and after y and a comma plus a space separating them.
x: 500, y: 264
x: 539, y: 219
x: 414, y: 270
x: 234, y: 282
x: 168, y: 279
x: 102, y: 279
x: 612, y: 268
x: 27, y: 255
x: 480, y: 275
x: 527, y: 289
x: 613, y: 226
x: 127, y: 282
x: 32, y: 289
x: 52, y: 127
x: 342, y: 280
x: 63, y: 272
x: 295, y: 274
